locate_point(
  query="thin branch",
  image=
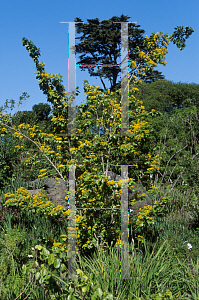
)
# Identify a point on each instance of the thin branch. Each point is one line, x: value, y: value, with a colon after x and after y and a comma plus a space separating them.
x: 129, y: 81
x: 37, y: 147
x: 169, y: 162
x: 176, y: 181
x: 26, y: 287
x: 171, y: 174
x: 180, y: 175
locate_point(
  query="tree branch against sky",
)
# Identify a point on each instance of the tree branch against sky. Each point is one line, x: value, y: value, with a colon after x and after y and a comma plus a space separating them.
x: 102, y: 40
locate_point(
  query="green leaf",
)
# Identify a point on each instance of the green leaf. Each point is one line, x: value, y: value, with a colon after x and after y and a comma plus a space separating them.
x: 71, y: 290
x: 39, y: 247
x: 43, y: 272
x: 79, y: 271
x: 98, y: 292
x: 37, y: 275
x: 45, y: 252
x: 51, y: 259
x: 70, y: 297
x: 63, y: 267
x: 24, y: 269
x: 84, y: 289
x: 57, y: 263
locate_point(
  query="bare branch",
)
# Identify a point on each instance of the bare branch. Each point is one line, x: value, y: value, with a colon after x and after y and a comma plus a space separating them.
x: 170, y: 160
x: 180, y: 175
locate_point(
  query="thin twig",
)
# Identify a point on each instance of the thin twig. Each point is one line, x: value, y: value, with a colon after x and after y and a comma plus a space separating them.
x: 168, y: 164
x: 26, y: 287
x: 37, y: 147
x: 179, y: 176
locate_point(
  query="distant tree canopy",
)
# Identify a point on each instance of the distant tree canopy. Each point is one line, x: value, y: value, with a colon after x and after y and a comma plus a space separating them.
x: 39, y: 113
x: 42, y: 111
x: 27, y: 117
x: 165, y: 95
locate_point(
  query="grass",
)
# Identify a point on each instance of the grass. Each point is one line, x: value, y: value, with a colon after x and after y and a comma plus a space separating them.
x: 163, y: 266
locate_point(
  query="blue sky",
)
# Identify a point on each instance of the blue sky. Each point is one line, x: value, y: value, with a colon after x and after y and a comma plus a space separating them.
x: 39, y: 21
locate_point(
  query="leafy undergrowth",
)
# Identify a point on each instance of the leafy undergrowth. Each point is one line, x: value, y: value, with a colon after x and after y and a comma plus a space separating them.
x: 163, y: 262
